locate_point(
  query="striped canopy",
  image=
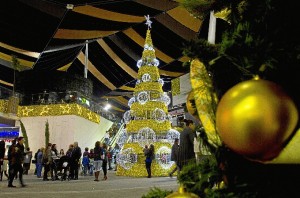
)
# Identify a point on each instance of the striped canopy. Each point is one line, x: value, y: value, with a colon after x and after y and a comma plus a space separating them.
x: 53, y: 34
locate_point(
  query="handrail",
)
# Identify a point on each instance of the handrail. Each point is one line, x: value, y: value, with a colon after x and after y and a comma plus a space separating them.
x: 115, y: 138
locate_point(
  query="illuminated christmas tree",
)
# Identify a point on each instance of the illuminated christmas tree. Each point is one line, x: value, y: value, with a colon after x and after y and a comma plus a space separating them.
x: 147, y: 121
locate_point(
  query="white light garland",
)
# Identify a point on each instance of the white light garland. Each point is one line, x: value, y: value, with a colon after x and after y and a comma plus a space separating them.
x: 122, y: 139
x: 147, y: 61
x: 143, y: 97
x: 163, y: 157
x: 146, y: 77
x: 145, y: 136
x: 163, y: 97
x: 159, y: 115
x: 131, y: 101
x: 139, y: 63
x: 126, y: 158
x: 148, y: 47
x: 161, y: 81
x: 155, y: 62
x: 138, y: 82
x: 166, y: 99
x: 127, y: 116
x: 171, y: 135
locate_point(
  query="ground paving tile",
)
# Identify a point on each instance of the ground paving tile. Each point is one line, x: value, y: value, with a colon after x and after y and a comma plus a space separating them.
x: 85, y: 186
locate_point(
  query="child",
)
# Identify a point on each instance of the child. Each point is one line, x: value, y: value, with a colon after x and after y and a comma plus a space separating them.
x: 85, y: 161
x: 91, y: 158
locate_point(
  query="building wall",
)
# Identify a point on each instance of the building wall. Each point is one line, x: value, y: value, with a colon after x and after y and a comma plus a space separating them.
x: 64, y: 130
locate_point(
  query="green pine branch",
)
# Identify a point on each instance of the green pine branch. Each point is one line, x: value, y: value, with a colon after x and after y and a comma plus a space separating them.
x: 260, y: 38
x: 26, y: 142
x: 157, y: 193
x: 47, y: 134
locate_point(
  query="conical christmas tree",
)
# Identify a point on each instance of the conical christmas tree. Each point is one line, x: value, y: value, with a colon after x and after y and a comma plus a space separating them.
x: 147, y: 121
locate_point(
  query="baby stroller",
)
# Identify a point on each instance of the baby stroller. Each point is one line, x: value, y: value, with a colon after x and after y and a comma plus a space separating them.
x: 63, y: 166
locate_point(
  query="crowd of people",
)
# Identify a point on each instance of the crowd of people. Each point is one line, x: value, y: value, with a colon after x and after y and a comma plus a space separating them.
x: 58, y: 165
x: 49, y: 162
x: 187, y: 149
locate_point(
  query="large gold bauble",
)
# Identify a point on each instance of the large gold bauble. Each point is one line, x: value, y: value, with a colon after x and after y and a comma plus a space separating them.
x: 190, y: 107
x: 255, y: 118
x: 182, y: 194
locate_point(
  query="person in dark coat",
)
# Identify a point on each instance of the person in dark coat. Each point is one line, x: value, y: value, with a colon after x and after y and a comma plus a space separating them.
x: 2, y: 151
x: 47, y: 161
x: 15, y: 164
x: 10, y: 151
x: 104, y: 164
x: 186, y: 144
x: 149, y: 153
x: 174, y: 156
x: 2, y: 154
x: 74, y: 161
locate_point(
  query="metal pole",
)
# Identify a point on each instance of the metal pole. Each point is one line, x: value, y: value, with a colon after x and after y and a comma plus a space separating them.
x: 86, y: 59
x: 212, y: 28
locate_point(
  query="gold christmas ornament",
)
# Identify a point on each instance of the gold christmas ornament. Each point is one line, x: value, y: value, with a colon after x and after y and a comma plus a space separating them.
x: 255, y: 118
x: 182, y: 194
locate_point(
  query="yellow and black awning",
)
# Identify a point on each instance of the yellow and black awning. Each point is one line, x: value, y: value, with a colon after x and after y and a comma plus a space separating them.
x: 49, y: 36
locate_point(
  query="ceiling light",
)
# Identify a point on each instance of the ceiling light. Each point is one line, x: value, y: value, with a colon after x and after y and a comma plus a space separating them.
x: 107, y: 106
x: 70, y: 6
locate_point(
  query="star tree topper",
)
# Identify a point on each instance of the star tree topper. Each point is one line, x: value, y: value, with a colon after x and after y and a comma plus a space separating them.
x: 148, y: 21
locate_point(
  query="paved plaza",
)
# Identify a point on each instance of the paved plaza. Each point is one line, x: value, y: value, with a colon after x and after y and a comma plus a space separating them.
x: 85, y: 186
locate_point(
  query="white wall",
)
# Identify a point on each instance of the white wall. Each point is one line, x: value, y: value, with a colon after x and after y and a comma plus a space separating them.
x: 64, y: 130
